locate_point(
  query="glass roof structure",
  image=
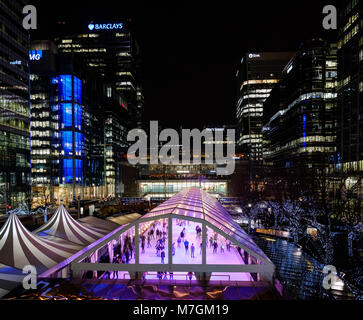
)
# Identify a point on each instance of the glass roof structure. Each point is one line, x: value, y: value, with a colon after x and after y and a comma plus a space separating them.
x: 185, y: 211
x: 196, y: 203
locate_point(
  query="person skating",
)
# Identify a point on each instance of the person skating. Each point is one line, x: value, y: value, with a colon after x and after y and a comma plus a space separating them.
x: 162, y: 255
x: 192, y: 248
x: 143, y: 247
x: 186, y: 245
x: 148, y: 240
x: 215, y: 246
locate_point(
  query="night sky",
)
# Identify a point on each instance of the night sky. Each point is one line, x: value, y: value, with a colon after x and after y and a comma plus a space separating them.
x: 191, y: 52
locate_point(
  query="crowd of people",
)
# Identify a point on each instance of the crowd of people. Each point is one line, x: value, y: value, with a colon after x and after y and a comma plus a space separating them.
x: 156, y: 236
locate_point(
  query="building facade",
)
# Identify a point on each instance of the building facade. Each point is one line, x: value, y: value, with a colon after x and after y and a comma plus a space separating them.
x: 300, y: 115
x: 67, y: 127
x: 14, y: 107
x: 256, y: 76
x: 348, y: 165
x: 111, y: 51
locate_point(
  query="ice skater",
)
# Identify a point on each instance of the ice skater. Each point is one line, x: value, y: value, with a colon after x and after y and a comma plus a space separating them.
x: 162, y: 255
x: 192, y: 248
x: 186, y: 245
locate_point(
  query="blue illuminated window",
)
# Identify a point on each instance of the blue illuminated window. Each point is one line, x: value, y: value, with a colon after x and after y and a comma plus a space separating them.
x: 66, y: 142
x: 65, y: 87
x: 67, y: 170
x: 79, y: 141
x: 304, y: 131
x: 65, y: 113
x: 77, y: 90
x: 79, y: 170
x: 78, y: 116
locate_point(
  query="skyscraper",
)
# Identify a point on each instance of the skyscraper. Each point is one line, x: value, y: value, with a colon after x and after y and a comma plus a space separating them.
x: 350, y: 89
x: 14, y: 106
x: 300, y: 114
x: 110, y: 49
x: 69, y: 142
x: 256, y: 76
x: 348, y: 166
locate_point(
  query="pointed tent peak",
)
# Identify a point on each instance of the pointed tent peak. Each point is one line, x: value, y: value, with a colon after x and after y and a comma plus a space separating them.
x: 12, y: 217
x: 64, y: 226
x: 20, y: 247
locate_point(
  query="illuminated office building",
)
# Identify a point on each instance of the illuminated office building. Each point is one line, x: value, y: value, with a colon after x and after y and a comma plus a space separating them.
x: 257, y: 74
x: 14, y: 106
x: 70, y: 142
x: 348, y: 166
x: 350, y: 83
x: 163, y: 181
x: 110, y: 50
x: 300, y: 114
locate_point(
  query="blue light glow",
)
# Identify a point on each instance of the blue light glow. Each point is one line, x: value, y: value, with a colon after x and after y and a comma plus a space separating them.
x: 35, y: 54
x: 65, y: 114
x: 66, y: 142
x: 68, y: 170
x: 304, y: 131
x: 70, y: 114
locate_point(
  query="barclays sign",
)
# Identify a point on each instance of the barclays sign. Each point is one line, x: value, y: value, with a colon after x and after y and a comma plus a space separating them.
x: 105, y: 26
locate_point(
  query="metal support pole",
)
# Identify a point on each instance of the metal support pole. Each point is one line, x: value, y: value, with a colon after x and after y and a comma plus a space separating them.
x: 137, y: 246
x: 170, y: 241
x: 204, y: 242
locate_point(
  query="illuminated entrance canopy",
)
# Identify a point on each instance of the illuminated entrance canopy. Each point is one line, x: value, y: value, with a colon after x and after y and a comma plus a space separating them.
x: 105, y: 26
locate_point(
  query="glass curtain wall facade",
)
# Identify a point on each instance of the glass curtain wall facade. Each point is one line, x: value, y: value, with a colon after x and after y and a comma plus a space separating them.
x: 348, y: 165
x: 115, y: 142
x: 44, y: 140
x: 14, y: 107
x: 257, y: 75
x: 115, y: 55
x: 71, y: 136
x: 300, y: 118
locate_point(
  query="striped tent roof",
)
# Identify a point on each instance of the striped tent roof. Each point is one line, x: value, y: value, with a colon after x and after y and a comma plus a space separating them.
x: 63, y: 225
x: 20, y: 247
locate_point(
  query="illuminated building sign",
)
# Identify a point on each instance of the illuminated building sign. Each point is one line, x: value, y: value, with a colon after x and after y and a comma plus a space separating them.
x: 35, y: 54
x: 254, y: 55
x: 105, y: 26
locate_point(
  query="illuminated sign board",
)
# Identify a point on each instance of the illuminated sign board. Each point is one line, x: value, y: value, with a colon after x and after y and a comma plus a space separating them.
x: 105, y: 26
x: 35, y: 54
x: 254, y: 55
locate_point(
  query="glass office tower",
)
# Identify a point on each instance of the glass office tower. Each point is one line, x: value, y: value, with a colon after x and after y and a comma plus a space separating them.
x: 350, y: 90
x: 257, y: 75
x: 14, y: 106
x: 300, y: 115
x: 348, y: 166
x: 111, y: 51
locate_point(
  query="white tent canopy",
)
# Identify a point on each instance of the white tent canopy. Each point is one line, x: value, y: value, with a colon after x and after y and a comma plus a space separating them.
x: 63, y: 225
x: 20, y: 247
